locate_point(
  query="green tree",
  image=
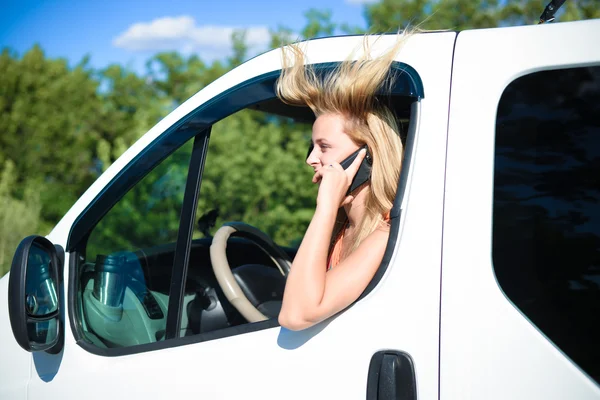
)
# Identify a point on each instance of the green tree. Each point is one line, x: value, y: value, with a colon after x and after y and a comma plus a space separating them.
x: 177, y: 78
x: 524, y: 13
x: 240, y: 49
x: 45, y: 108
x: 130, y: 107
x: 318, y: 23
x: 255, y: 173
x: 391, y: 15
x: 282, y: 36
x: 18, y: 217
x: 62, y: 126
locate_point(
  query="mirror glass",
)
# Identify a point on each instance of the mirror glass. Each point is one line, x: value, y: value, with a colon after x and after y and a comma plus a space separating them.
x: 40, y: 288
x: 41, y: 299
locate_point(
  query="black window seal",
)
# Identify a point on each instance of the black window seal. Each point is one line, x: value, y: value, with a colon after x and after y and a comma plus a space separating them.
x: 407, y: 83
x: 184, y: 237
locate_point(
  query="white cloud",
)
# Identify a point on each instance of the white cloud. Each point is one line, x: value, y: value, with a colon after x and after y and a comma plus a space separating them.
x: 182, y: 34
x: 361, y: 1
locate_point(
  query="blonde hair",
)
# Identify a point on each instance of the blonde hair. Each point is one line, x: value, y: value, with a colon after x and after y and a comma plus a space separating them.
x: 350, y: 90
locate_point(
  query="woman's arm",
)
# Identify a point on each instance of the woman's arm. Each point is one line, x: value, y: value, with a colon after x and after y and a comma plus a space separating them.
x: 313, y: 294
x: 305, y: 284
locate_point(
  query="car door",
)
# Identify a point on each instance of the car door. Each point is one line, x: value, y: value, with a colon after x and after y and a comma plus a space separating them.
x: 520, y: 288
x: 158, y: 179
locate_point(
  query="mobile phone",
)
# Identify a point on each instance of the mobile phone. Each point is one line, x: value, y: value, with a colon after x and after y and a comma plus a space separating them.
x: 364, y: 171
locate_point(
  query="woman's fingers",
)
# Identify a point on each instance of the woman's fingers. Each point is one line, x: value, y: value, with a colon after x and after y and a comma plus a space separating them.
x: 347, y: 200
x: 353, y: 168
x: 350, y: 171
x: 317, y: 176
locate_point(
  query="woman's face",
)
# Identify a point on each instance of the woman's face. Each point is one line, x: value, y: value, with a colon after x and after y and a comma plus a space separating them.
x: 331, y: 143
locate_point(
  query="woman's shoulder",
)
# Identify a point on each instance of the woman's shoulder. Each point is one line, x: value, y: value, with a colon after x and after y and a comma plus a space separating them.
x: 382, y: 229
x: 374, y: 244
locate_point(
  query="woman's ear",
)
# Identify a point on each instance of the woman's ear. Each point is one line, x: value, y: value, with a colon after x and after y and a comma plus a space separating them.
x: 368, y: 156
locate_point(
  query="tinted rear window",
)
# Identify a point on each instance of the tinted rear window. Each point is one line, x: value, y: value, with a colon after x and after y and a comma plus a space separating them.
x: 546, y: 247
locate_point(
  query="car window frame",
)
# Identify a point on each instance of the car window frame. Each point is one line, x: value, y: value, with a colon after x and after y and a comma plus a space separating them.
x: 198, y: 123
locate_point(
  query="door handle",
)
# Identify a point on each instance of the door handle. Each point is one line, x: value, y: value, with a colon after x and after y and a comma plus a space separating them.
x: 391, y: 376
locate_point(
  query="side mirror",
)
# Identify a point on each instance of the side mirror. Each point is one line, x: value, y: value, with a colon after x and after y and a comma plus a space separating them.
x: 34, y: 297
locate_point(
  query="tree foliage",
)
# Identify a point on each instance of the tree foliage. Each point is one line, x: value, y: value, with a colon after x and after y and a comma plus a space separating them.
x: 389, y: 15
x: 45, y: 110
x: 61, y: 126
x: 18, y: 217
x: 255, y: 173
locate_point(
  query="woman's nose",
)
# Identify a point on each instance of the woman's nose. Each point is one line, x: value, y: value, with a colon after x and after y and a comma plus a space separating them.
x: 312, y: 159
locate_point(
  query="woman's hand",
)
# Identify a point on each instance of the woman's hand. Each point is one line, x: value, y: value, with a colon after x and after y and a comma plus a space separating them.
x: 335, y: 181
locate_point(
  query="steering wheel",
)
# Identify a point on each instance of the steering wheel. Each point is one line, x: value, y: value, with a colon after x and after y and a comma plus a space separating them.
x: 225, y: 276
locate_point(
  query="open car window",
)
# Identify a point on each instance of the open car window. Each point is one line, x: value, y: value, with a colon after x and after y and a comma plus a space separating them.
x: 142, y: 278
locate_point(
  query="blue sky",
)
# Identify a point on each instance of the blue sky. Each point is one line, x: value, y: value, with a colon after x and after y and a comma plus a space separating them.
x: 129, y: 32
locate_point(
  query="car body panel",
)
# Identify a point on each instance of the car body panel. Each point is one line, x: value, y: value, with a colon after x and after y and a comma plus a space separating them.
x: 489, y: 348
x: 15, y: 363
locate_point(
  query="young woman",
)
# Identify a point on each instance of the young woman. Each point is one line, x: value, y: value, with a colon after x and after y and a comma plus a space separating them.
x: 339, y: 257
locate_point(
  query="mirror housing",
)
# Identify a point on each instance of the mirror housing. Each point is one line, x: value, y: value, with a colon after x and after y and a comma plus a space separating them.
x: 35, y: 295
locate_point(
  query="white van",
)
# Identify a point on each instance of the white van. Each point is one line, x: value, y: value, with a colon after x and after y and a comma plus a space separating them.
x: 489, y: 287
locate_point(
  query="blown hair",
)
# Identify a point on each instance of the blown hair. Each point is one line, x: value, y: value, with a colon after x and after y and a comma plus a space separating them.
x: 350, y: 91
